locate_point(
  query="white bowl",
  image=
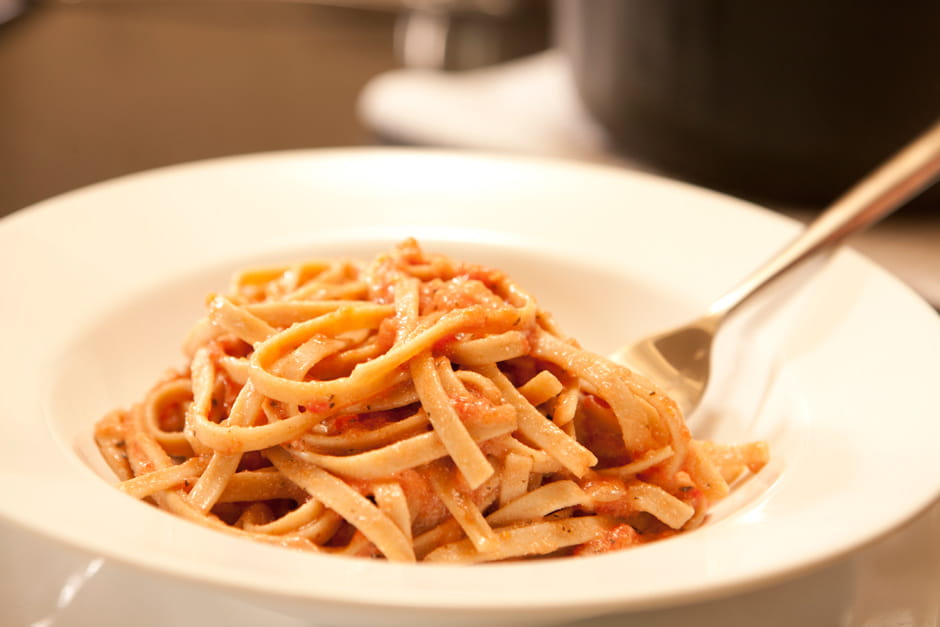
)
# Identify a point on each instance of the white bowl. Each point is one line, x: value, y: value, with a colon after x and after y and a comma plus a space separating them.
x: 101, y: 284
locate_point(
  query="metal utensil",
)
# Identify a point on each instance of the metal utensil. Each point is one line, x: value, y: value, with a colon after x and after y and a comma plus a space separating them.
x: 679, y: 360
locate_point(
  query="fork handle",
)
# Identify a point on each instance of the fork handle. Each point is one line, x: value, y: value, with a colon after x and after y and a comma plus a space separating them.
x: 910, y: 171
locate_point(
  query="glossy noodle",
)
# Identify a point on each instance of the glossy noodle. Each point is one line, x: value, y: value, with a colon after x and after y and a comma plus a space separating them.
x: 414, y: 408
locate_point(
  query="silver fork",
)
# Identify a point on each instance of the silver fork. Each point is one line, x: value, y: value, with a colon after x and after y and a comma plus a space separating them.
x: 679, y: 360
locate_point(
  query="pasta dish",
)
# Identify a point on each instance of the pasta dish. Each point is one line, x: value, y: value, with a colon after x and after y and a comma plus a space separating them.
x: 414, y: 408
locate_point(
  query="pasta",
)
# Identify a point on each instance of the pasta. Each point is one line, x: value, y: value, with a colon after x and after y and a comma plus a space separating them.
x: 414, y: 408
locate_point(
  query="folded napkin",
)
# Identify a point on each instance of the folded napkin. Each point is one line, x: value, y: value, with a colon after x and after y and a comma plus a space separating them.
x: 527, y: 105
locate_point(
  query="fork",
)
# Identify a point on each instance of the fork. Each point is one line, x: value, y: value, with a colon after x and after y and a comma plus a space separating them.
x: 679, y: 360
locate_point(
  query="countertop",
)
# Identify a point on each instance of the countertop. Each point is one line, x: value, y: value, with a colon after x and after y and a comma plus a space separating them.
x: 95, y: 89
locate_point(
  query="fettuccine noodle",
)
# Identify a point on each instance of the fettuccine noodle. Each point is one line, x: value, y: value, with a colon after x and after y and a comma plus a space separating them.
x: 413, y: 408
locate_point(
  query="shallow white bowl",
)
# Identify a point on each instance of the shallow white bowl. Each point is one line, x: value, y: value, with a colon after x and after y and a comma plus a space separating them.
x: 100, y: 285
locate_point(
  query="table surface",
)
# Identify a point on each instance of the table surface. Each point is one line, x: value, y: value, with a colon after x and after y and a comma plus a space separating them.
x: 95, y: 89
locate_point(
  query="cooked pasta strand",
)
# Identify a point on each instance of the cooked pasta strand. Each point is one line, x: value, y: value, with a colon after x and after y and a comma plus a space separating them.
x: 515, y: 477
x: 539, y: 538
x: 340, y: 497
x: 539, y: 503
x: 540, y: 430
x: 447, y: 424
x: 461, y: 506
x: 145, y: 485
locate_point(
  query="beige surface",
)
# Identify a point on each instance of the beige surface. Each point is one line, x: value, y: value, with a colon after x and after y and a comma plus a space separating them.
x: 92, y: 90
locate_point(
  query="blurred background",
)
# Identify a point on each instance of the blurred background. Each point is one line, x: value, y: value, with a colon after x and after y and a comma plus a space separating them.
x: 784, y: 103
x: 92, y: 89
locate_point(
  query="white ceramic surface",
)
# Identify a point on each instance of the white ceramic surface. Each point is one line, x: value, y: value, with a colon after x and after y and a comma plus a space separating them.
x: 893, y: 583
x: 101, y: 284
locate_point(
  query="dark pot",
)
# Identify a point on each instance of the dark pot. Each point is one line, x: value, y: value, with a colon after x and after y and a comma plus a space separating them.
x: 787, y: 100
